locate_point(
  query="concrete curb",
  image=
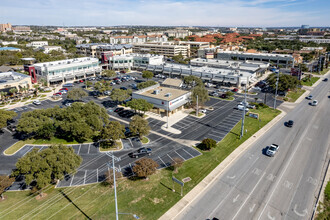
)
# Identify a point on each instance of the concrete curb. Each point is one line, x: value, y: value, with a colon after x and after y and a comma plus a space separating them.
x: 173, y: 212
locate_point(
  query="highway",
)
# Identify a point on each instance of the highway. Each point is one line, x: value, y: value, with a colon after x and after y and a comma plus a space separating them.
x: 285, y: 186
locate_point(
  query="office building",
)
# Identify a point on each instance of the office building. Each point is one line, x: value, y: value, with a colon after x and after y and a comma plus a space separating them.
x: 129, y: 61
x: 97, y: 49
x: 9, y: 80
x: 168, y: 49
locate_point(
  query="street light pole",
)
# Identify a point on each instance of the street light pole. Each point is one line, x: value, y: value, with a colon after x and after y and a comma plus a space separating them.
x: 243, y: 116
x: 278, y: 76
x: 114, y: 178
x: 197, y: 106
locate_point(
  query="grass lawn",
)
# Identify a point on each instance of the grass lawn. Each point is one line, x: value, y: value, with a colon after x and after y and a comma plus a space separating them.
x: 306, y: 82
x: 322, y: 72
x: 147, y: 199
x: 53, y: 140
x: 194, y: 113
x: 324, y: 208
x: 145, y: 140
x: 294, y: 95
x: 105, y: 149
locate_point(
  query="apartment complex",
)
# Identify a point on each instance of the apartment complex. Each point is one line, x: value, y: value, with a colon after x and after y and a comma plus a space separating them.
x: 97, y: 49
x: 137, y: 39
x: 285, y: 60
x: 9, y: 80
x: 168, y: 49
x: 48, y: 49
x: 61, y: 71
x: 178, y: 33
x: 37, y: 44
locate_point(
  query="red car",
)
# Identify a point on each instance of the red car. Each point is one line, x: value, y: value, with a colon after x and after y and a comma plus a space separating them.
x: 64, y: 89
x: 235, y: 90
x: 57, y: 94
x: 82, y: 80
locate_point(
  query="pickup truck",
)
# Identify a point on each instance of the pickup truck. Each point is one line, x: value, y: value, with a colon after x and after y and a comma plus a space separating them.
x: 140, y: 152
x: 272, y: 149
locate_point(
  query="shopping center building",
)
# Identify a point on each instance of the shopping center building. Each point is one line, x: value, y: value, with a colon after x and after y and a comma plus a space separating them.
x: 9, y: 80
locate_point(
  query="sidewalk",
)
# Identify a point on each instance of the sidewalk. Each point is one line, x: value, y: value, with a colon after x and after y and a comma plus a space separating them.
x: 207, y: 181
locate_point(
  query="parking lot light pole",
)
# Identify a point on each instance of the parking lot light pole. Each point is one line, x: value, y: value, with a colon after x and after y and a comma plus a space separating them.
x: 278, y: 76
x: 197, y: 106
x: 114, y: 177
x: 243, y: 116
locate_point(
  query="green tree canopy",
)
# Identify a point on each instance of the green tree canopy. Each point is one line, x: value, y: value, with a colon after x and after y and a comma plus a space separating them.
x: 285, y: 82
x: 120, y: 94
x: 147, y: 74
x: 5, y: 182
x: 109, y: 73
x: 48, y: 165
x: 202, y: 94
x: 76, y: 94
x: 113, y: 131
x: 193, y: 81
x: 140, y: 105
x: 139, y: 126
x: 146, y: 84
x: 5, y: 116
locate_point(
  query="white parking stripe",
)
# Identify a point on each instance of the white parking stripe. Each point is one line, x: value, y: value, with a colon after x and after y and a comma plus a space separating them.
x: 27, y: 151
x: 71, y: 180
x: 85, y: 177
x: 162, y: 161
x: 89, y: 147
x: 97, y: 175
x: 187, y: 152
x: 79, y: 149
x: 180, y: 155
x: 41, y: 148
x: 217, y: 132
x: 170, y: 157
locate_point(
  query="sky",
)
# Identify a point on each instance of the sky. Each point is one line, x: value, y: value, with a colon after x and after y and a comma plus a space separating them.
x: 224, y: 13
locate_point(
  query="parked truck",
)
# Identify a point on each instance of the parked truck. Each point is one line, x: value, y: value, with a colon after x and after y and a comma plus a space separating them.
x: 140, y: 152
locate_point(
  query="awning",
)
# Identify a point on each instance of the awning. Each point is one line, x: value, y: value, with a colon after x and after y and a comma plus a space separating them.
x: 217, y: 79
x: 166, y: 71
x: 69, y: 77
x: 88, y: 74
x: 56, y: 79
x: 150, y: 68
x: 159, y: 70
x: 80, y: 74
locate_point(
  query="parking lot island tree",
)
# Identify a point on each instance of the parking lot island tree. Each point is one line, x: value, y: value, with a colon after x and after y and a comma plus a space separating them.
x: 177, y: 163
x: 207, y: 144
x: 76, y: 94
x: 44, y: 167
x: 109, y: 177
x: 140, y: 105
x: 5, y: 117
x: 5, y: 182
x: 285, y: 82
x: 143, y: 85
x: 145, y: 167
x: 139, y: 126
x: 109, y: 73
x: 120, y: 94
x: 193, y: 81
x: 88, y: 83
x: 112, y: 132
x: 147, y: 74
x: 202, y: 94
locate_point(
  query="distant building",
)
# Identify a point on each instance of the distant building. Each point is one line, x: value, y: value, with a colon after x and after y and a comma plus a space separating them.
x: 37, y: 44
x: 61, y: 71
x: 9, y: 80
x: 5, y: 43
x: 22, y: 29
x: 9, y: 49
x: 137, y: 39
x: 168, y: 49
x: 97, y: 49
x: 304, y: 26
x: 48, y: 49
x: 316, y: 40
x: 129, y: 61
x: 5, y: 27
x: 178, y: 33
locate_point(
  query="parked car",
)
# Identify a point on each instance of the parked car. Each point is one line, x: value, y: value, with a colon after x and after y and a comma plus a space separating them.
x: 325, y: 80
x: 241, y: 107
x: 310, y: 97
x: 107, y: 93
x: 123, y: 88
x: 122, y: 71
x: 57, y: 94
x: 289, y: 123
x: 36, y: 102
x: 202, y: 110
x: 271, y: 150
x: 141, y: 152
x: 82, y: 80
x: 235, y: 90
x: 119, y: 110
x: 215, y: 94
x: 11, y: 128
x: 68, y: 104
x: 68, y: 85
x: 223, y: 96
x: 314, y: 103
x: 66, y: 89
x: 257, y: 89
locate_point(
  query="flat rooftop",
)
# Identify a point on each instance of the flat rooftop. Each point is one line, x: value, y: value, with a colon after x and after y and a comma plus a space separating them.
x: 164, y: 93
x: 11, y: 77
x: 255, y: 54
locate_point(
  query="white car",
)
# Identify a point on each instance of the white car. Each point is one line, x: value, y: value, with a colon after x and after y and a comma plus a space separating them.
x: 257, y: 88
x: 36, y: 102
x: 68, y: 104
x: 241, y: 107
x: 314, y: 103
x: 272, y: 149
x: 202, y: 110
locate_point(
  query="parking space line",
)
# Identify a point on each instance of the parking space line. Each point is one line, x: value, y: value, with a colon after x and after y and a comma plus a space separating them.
x: 169, y: 157
x: 71, y: 180
x: 89, y: 147
x: 187, y: 152
x: 28, y: 151
x: 79, y: 149
x: 162, y: 161
x: 97, y: 175
x: 131, y: 142
x: 180, y: 155
x: 41, y: 148
x: 85, y: 177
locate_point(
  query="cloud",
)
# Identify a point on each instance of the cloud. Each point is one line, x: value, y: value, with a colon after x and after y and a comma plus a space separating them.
x: 161, y: 12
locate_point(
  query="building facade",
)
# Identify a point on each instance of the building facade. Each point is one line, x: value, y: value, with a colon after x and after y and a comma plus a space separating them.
x: 129, y: 61
x: 168, y: 49
x: 97, y: 49
x: 9, y: 80
x: 5, y: 27
x: 61, y: 71
x: 137, y: 39
x: 37, y: 44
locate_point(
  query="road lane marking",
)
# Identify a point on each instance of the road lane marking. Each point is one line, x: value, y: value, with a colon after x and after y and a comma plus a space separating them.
x: 236, y: 198
x: 169, y: 157
x: 41, y: 148
x: 271, y: 177
x: 270, y: 217
x: 28, y: 151
x: 247, y: 198
x: 97, y: 175
x: 287, y: 184
x: 257, y: 171
x: 311, y: 180
x: 252, y: 208
x: 187, y: 152
x: 231, y: 177
x: 161, y: 161
x: 179, y: 155
x: 309, y: 139
x: 304, y: 212
x: 71, y: 180
x: 131, y: 142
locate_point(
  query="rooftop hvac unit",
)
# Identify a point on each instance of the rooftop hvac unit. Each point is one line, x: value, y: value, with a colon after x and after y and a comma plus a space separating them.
x: 168, y: 95
x: 156, y: 92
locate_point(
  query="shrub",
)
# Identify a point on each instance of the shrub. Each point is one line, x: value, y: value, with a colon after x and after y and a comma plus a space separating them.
x: 229, y: 93
x: 145, y: 167
x: 207, y: 144
x: 177, y: 163
x: 263, y: 105
x: 285, y: 99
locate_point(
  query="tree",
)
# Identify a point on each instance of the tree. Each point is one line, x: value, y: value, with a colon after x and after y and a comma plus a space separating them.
x: 229, y: 93
x: 113, y: 131
x: 47, y: 166
x: 13, y: 91
x: 147, y: 74
x: 177, y: 163
x: 145, y: 167
x: 76, y: 94
x: 3, y: 95
x: 88, y: 83
x: 46, y: 131
x: 139, y: 126
x: 202, y: 94
x: 193, y: 81
x: 120, y: 95
x: 207, y: 144
x: 285, y: 82
x: 5, y: 182
x: 140, y: 104
x: 146, y: 84
x: 109, y: 73
x: 5, y: 116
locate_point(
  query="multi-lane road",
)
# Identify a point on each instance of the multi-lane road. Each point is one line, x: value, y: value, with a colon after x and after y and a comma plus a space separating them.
x: 259, y: 187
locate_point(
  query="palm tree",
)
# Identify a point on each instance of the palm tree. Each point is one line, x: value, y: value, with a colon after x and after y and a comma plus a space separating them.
x: 3, y: 95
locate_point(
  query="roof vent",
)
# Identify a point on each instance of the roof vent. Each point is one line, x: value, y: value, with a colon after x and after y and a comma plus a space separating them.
x: 168, y: 95
x: 156, y: 92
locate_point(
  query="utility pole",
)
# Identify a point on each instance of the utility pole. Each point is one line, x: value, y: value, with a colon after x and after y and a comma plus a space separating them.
x: 167, y: 112
x: 278, y: 76
x: 243, y: 116
x: 114, y: 169
x: 197, y: 106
